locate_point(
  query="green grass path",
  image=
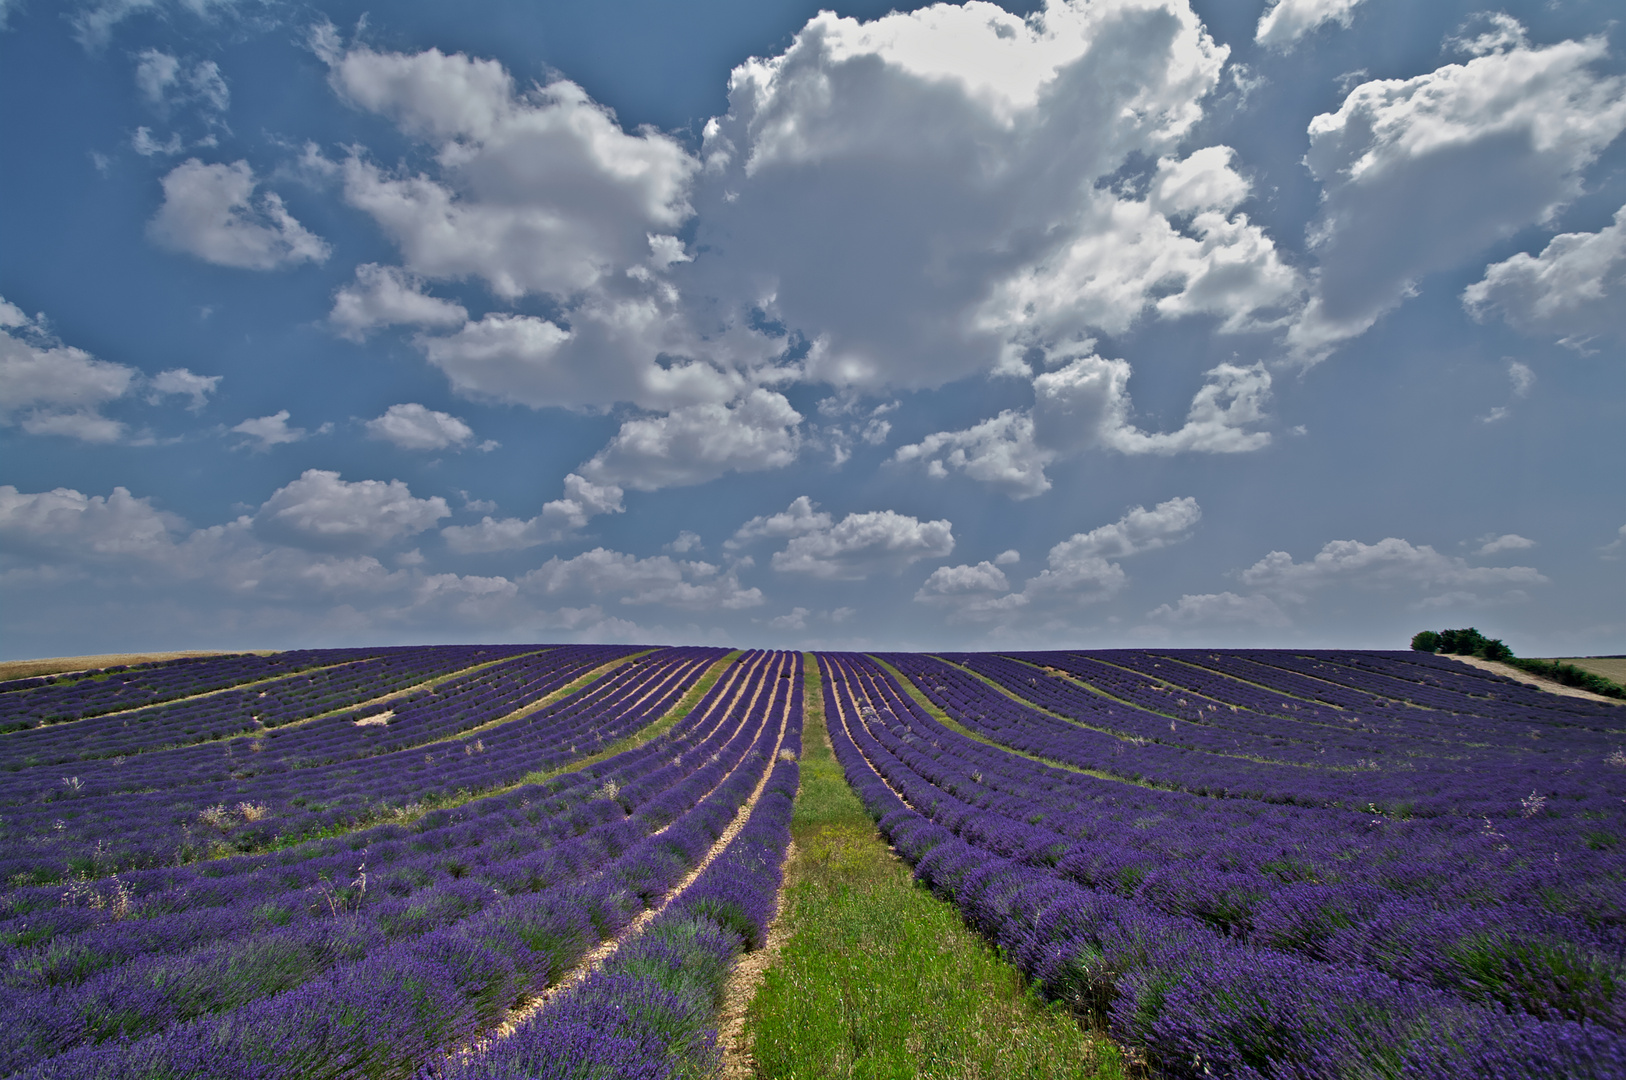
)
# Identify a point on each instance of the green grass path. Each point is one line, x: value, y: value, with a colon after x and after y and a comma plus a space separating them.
x: 877, y: 978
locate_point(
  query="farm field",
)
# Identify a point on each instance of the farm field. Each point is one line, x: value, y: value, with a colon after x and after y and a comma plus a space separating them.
x: 546, y: 860
x: 1610, y: 667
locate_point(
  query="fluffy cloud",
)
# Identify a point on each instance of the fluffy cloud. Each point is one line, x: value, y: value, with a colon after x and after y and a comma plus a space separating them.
x: 799, y: 518
x: 693, y: 586
x: 548, y: 192
x: 602, y: 359
x: 1180, y: 251
x: 123, y: 547
x: 180, y: 381
x: 1576, y: 287
x: 264, y: 432
x: 1138, y: 530
x: 898, y: 202
x: 924, y: 192
x: 700, y: 443
x: 1081, y: 562
x: 1389, y: 564
x: 389, y: 296
x: 1495, y: 545
x: 1078, y: 570
x: 209, y: 212
x: 1000, y: 451
x: 1419, y: 174
x: 957, y: 580
x: 1085, y: 405
x: 321, y: 512
x: 412, y: 426
x: 538, y: 192
x: 558, y: 520
x: 969, y: 592
x: 49, y: 388
x: 1221, y: 609
x: 65, y: 522
x: 1285, y: 21
x: 853, y: 548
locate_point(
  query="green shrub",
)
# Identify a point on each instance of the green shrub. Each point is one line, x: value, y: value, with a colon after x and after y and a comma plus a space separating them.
x: 1470, y: 642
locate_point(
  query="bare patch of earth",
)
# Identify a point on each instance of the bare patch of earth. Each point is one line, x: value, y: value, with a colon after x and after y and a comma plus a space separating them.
x: 1540, y: 683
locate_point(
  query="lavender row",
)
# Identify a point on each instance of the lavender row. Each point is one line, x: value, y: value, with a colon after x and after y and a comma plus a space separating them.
x: 257, y: 707
x: 650, y: 1010
x: 1301, y: 895
x: 1426, y: 681
x: 1163, y: 683
x: 45, y: 912
x: 462, y: 702
x: 196, y: 978
x: 246, y: 811
x: 1454, y: 743
x: 555, y: 923
x: 1190, y: 997
x: 55, y: 699
x: 1379, y: 719
x: 156, y: 913
x: 1429, y: 680
x: 1573, y: 783
x: 1203, y: 725
x: 1534, y: 855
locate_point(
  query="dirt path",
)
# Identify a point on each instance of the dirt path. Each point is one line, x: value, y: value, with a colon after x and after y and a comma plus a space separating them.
x: 1520, y: 675
x: 605, y: 949
x: 747, y: 976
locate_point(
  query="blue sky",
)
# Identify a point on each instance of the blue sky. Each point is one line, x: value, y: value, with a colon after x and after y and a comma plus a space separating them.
x: 1114, y: 322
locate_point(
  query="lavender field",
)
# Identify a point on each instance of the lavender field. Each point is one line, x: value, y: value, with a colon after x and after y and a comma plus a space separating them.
x: 543, y: 861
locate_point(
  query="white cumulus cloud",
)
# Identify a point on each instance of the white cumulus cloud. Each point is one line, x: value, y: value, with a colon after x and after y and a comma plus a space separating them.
x: 1285, y: 21
x: 411, y: 426
x: 321, y: 512
x: 550, y: 193
x: 1575, y: 289
x: 660, y: 579
x: 66, y: 522
x: 1390, y: 564
x: 1082, y: 569
x: 559, y: 519
x: 924, y: 193
x: 1085, y: 405
x: 802, y: 516
x: 209, y: 211
x: 263, y: 432
x: 699, y: 443
x: 859, y: 544
x: 49, y: 388
x: 185, y: 383
x: 389, y: 296
x: 1495, y: 545
x: 1419, y: 174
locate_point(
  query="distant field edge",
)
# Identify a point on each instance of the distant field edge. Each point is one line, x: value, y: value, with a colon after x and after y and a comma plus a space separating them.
x: 56, y: 665
x: 1612, y: 668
